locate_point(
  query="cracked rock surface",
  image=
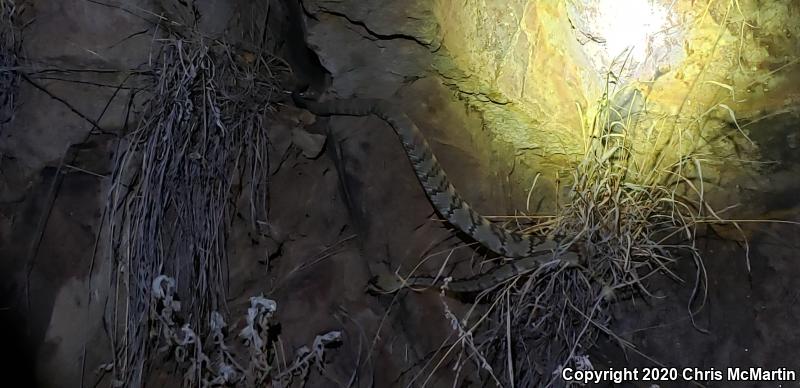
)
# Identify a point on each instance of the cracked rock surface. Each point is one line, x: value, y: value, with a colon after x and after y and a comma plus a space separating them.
x: 391, y: 54
x: 349, y: 213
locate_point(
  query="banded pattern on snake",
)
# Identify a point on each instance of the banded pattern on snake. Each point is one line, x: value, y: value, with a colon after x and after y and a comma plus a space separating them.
x: 529, y: 252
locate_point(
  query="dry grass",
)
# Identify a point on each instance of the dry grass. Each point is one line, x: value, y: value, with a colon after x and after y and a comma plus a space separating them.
x: 536, y: 325
x: 627, y: 232
x: 200, y: 144
x: 634, y: 208
x: 636, y: 204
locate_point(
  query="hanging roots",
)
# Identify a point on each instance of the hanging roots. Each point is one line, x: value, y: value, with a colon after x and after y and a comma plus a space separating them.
x: 201, y: 140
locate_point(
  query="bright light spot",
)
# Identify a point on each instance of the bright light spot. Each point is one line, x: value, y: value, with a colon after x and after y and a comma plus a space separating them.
x: 644, y: 32
x: 629, y: 25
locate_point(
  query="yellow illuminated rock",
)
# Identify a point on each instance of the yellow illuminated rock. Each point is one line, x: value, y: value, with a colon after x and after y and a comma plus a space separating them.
x: 705, y: 67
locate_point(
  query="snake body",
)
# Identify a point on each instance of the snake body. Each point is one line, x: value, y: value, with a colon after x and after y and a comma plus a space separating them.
x: 529, y: 251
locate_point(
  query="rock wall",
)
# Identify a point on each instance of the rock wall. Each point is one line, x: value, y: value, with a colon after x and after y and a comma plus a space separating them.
x: 54, y: 160
x: 494, y: 87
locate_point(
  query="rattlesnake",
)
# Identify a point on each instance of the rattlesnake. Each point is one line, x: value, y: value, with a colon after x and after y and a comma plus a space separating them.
x: 527, y: 252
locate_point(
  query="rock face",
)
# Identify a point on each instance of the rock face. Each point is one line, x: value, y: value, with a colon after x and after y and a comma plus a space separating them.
x: 493, y: 84
x: 541, y: 59
x: 514, y: 65
x: 523, y: 51
x: 373, y: 50
x: 53, y: 160
x: 388, y: 20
